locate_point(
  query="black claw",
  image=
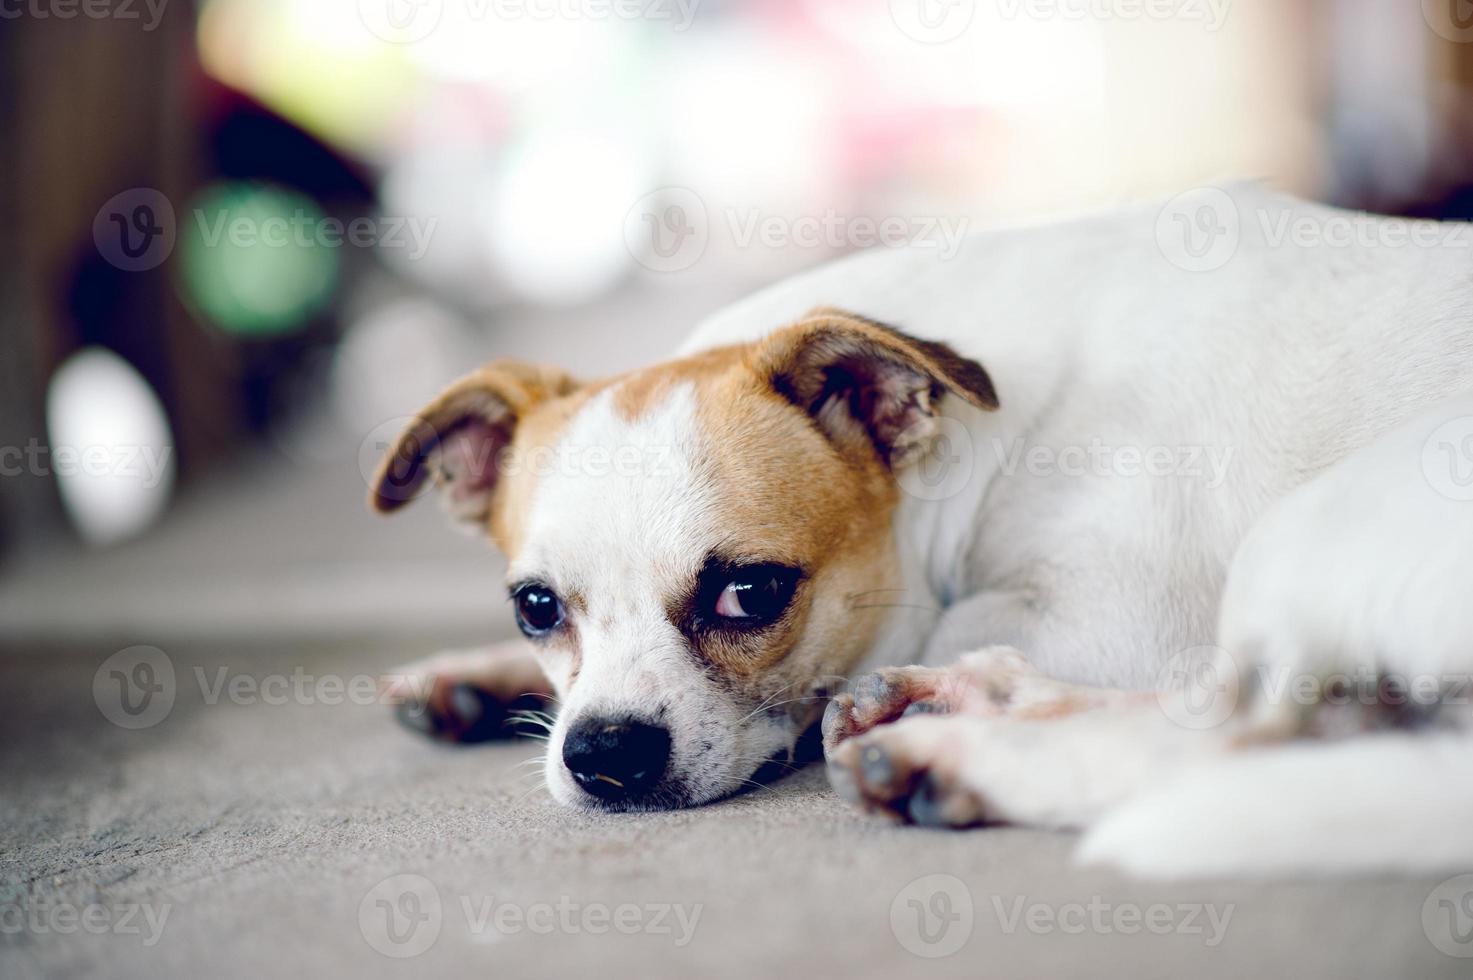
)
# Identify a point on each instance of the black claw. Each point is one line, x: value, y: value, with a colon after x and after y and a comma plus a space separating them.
x: 924, y: 808
x: 468, y: 715
x: 468, y: 705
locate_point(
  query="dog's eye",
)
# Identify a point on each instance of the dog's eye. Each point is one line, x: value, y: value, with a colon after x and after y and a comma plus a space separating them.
x: 755, y: 595
x: 538, y: 609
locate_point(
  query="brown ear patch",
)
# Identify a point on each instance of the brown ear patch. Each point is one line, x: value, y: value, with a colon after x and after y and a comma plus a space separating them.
x: 458, y: 438
x: 847, y: 371
x: 960, y: 375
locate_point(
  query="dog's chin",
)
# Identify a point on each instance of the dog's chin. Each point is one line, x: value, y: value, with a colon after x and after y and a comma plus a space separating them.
x: 674, y: 794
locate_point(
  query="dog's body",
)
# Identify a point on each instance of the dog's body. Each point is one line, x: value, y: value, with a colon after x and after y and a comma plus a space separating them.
x: 1149, y: 421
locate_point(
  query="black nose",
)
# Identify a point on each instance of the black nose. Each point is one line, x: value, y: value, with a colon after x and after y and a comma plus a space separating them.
x: 616, y: 760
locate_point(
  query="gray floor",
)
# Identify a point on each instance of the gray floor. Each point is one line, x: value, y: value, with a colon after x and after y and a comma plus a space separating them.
x: 253, y: 834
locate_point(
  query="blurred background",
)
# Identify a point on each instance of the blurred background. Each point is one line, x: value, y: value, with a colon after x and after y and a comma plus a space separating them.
x: 241, y: 239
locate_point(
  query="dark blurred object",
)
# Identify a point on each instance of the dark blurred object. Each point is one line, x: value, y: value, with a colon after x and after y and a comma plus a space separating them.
x: 115, y: 118
x: 134, y: 112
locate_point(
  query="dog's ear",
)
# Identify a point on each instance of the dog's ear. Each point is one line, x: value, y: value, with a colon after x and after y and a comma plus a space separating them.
x: 854, y: 376
x: 458, y: 439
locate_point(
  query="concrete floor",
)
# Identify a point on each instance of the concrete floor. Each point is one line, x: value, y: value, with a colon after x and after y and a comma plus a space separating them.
x: 248, y: 838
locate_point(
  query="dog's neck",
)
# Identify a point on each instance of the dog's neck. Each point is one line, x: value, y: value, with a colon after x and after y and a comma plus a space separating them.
x: 936, y: 527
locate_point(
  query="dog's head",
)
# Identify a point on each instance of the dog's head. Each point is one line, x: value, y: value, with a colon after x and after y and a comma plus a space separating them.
x: 695, y: 549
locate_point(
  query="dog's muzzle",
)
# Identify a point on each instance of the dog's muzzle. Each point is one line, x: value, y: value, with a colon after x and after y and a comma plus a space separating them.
x: 616, y: 761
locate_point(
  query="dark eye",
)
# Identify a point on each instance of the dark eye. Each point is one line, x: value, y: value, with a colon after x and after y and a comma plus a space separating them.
x: 753, y: 595
x: 538, y: 609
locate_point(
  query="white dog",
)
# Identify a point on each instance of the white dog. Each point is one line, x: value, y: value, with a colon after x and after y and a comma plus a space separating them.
x: 1180, y: 555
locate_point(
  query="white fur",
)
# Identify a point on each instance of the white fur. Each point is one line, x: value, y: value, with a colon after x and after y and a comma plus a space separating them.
x: 1275, y: 368
x: 1387, y: 804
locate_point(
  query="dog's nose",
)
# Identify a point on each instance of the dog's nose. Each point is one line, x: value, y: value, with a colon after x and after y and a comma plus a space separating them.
x: 616, y: 760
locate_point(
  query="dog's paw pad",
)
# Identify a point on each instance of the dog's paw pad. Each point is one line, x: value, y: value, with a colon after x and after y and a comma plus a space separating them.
x: 463, y: 713
x: 905, y: 773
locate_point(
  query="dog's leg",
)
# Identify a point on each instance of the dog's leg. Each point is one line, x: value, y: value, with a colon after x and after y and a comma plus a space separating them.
x: 996, y: 682
x: 992, y: 739
x: 1348, y: 603
x: 469, y: 695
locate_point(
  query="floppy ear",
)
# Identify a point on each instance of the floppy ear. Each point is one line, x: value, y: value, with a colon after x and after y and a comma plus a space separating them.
x: 853, y: 375
x: 458, y: 439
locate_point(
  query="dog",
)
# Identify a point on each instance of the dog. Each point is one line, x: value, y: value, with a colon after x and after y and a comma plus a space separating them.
x: 1057, y: 531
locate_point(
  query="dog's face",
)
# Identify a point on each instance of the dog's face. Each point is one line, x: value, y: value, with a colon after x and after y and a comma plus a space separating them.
x: 697, y: 550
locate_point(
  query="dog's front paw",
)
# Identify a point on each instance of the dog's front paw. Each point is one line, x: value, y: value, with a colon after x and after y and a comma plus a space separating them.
x: 911, y: 771
x: 470, y: 696
x: 886, y: 695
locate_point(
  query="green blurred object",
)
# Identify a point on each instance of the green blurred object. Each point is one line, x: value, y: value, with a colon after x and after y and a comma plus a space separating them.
x: 258, y: 260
